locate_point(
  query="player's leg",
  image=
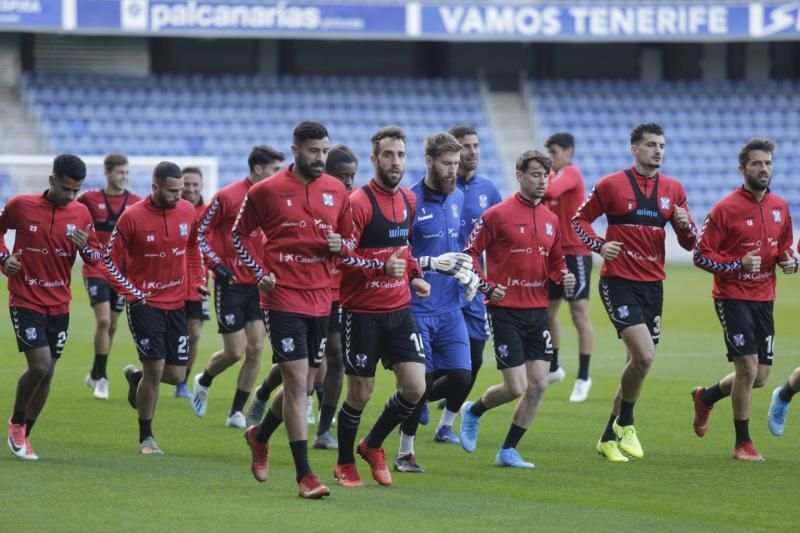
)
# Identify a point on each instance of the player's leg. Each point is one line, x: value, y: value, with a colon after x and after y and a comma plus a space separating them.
x: 194, y: 326
x: 553, y: 306
x: 258, y: 404
x: 452, y: 349
x: 359, y: 391
x: 233, y: 348
x: 332, y: 389
x: 29, y: 400
x: 104, y: 302
x: 579, y: 310
x: 524, y: 413
x: 781, y: 397
x: 428, y: 327
x: 248, y: 374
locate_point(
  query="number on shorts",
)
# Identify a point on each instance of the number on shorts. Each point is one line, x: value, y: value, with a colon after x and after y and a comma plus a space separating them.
x: 548, y: 339
x: 62, y: 340
x: 183, y: 342
x: 321, y: 351
x: 770, y: 340
x: 657, y: 325
x: 416, y: 338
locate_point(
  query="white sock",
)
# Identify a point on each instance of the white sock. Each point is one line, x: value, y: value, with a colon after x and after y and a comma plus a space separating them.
x: 406, y: 444
x: 448, y: 417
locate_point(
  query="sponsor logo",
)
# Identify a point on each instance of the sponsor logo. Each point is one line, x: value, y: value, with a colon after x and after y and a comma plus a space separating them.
x: 70, y: 230
x: 159, y: 254
x: 525, y: 283
x: 31, y: 334
x: 183, y: 229
x: 327, y: 199
x: 60, y: 252
x: 623, y: 311
x: 647, y: 213
x: 522, y: 250
x: 383, y: 284
x: 179, y: 251
x: 159, y: 286
x: 300, y: 224
x: 665, y: 203
x: 776, y: 215
x: 548, y: 229
x: 34, y: 282
x: 296, y: 258
x: 543, y: 251
x: 437, y: 235
x: 483, y: 201
x: 738, y: 340
x: 765, y: 20
x: 502, y: 351
x: 361, y: 360
x: 397, y: 232
x: 43, y: 251
x: 321, y: 224
x: 425, y: 217
x: 287, y: 344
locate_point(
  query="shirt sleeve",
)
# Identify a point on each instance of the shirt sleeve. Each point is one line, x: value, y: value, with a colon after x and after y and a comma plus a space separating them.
x: 248, y: 220
x: 587, y: 213
x: 361, y: 216
x: 115, y: 253
x: 568, y: 181
x: 687, y: 238
x: 208, y: 221
x: 6, y: 224
x: 477, y: 242
x: 555, y: 260
x: 706, y: 253
x: 194, y: 259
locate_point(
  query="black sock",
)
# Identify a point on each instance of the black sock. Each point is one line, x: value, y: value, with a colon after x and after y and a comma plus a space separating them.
x: 478, y: 408
x: 18, y: 417
x: 186, y: 375
x: 206, y: 379
x: 320, y: 391
x: 300, y: 456
x: 29, y: 425
x: 394, y: 412
x: 476, y: 358
x: 583, y: 366
x: 326, y: 413
x: 349, y: 420
x: 515, y: 433
x: 787, y: 392
x: 239, y: 400
x: 145, y: 429
x: 262, y: 393
x: 267, y: 427
x: 99, y: 366
x: 742, y: 430
x: 608, y: 433
x: 713, y: 394
x: 625, y: 417
x: 554, y: 361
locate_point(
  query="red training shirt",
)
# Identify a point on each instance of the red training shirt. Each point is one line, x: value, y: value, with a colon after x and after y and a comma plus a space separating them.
x: 105, y: 211
x: 565, y: 194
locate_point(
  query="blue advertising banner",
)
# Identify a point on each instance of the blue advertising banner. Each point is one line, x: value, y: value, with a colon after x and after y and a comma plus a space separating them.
x: 592, y: 22
x: 33, y: 14
x: 238, y: 17
x: 653, y: 22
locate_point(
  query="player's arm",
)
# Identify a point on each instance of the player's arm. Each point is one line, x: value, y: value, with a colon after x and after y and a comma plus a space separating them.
x: 706, y: 253
x: 247, y: 221
x: 114, y: 255
x: 479, y: 239
x: 360, y: 218
x: 556, y: 266
x: 788, y: 261
x: 682, y: 223
x: 210, y: 219
x: 567, y: 182
x: 587, y: 213
x: 194, y: 261
x: 11, y: 263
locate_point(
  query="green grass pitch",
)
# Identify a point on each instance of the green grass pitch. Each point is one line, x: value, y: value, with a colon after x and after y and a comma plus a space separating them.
x: 90, y: 477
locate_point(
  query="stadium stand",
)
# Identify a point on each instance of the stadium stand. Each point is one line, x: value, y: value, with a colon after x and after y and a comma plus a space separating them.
x: 225, y: 116
x: 705, y: 124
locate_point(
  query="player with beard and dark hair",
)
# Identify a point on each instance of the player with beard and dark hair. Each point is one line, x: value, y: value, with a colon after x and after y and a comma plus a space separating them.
x: 51, y: 230
x: 155, y: 241
x: 745, y: 238
x: 441, y: 322
x: 105, y: 205
x: 305, y: 216
x: 638, y: 203
x: 522, y: 241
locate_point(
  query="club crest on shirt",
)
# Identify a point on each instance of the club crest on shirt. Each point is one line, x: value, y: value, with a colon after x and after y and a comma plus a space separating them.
x: 30, y: 334
x: 776, y: 215
x: 483, y: 201
x: 665, y: 203
x: 184, y: 230
x: 548, y: 228
x: 327, y: 199
x: 287, y: 344
x: 738, y: 340
x: 454, y: 209
x: 623, y: 311
x: 70, y: 230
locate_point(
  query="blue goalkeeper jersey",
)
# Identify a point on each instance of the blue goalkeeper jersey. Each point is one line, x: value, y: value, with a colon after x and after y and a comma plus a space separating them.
x: 479, y: 195
x: 436, y: 231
